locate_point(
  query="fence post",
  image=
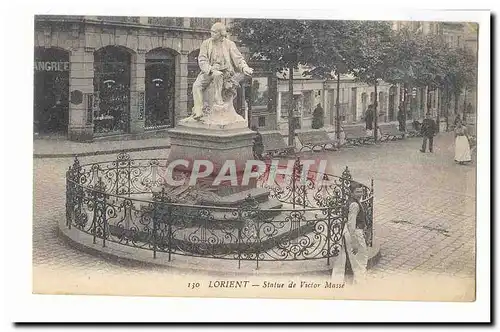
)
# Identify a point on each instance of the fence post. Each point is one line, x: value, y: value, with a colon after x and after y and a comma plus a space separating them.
x: 128, y: 174
x: 72, y: 181
x: 155, y: 216
x: 104, y: 221
x: 117, y: 175
x: 69, y: 198
x: 169, y: 222
x: 101, y: 205
x: 241, y: 224
x: 328, y: 232
x: 259, y: 244
x: 94, y: 220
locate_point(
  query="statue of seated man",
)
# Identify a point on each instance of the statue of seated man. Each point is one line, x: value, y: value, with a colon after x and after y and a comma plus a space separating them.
x: 219, y: 59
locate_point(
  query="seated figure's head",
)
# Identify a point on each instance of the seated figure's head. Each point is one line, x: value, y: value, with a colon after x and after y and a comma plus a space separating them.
x: 218, y: 31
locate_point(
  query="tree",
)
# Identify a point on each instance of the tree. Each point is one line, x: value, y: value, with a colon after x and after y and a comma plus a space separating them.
x: 372, y: 61
x: 285, y: 44
x: 431, y: 71
x: 409, y: 64
x: 334, y: 44
x: 460, y: 73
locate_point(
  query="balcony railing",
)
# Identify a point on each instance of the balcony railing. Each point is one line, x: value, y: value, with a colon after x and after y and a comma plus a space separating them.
x: 124, y: 19
x: 166, y: 21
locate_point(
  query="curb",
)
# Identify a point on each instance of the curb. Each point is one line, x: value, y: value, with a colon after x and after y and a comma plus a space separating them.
x: 97, y: 153
x: 131, y: 256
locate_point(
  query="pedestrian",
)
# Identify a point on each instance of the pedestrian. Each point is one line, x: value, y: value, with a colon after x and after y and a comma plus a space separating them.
x: 428, y: 130
x: 258, y: 144
x: 462, y: 146
x: 369, y: 116
x: 318, y: 117
x: 354, y: 251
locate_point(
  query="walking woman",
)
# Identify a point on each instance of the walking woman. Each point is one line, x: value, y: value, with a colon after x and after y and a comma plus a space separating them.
x: 353, y: 256
x: 462, y: 147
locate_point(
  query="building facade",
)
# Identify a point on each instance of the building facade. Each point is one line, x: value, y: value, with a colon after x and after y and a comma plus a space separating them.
x: 354, y: 98
x: 96, y: 77
x: 104, y: 76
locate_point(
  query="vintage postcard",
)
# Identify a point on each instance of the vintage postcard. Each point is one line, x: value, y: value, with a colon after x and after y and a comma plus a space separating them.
x: 255, y: 157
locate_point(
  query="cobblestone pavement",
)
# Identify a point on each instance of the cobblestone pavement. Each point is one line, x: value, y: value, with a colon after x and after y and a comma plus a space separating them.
x: 424, y: 209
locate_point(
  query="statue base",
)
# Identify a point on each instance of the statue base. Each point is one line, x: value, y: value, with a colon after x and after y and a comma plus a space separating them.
x: 217, y: 117
x: 214, y: 142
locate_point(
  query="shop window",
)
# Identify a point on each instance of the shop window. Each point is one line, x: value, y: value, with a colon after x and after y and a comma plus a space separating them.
x: 112, y: 90
x: 160, y: 88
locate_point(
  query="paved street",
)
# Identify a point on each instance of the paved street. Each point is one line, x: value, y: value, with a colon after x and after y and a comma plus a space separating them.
x: 424, y: 210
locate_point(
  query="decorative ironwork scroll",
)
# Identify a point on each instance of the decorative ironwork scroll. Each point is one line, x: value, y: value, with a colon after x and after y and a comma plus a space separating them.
x: 125, y: 201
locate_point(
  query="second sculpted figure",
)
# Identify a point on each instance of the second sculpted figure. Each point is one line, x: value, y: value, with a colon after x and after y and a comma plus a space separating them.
x: 219, y: 61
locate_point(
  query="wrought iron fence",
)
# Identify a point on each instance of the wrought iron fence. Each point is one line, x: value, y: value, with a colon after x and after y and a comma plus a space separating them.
x: 120, y: 202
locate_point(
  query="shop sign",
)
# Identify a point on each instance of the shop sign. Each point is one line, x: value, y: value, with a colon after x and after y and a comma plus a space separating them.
x: 51, y: 66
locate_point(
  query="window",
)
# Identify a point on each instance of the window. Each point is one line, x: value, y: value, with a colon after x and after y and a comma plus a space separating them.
x: 262, y: 121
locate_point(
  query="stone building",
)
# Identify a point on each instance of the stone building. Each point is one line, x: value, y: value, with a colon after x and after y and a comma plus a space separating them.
x: 106, y: 76
x: 354, y: 98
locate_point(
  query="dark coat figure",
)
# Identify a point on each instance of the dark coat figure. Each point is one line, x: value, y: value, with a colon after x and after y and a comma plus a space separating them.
x: 369, y: 118
x: 401, y: 120
x: 318, y: 117
x: 428, y: 130
x: 258, y: 145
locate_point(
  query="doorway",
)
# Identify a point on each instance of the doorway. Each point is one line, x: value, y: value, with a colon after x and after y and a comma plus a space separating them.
x: 392, y: 103
x: 51, y: 91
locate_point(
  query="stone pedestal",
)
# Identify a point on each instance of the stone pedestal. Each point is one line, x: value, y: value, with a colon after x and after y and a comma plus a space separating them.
x: 219, y: 136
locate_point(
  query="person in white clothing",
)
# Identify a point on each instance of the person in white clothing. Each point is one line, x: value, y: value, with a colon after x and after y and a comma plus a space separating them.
x: 354, y: 251
x: 462, y: 146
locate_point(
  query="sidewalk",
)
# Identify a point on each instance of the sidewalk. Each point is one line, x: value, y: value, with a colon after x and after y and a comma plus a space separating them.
x: 63, y: 148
